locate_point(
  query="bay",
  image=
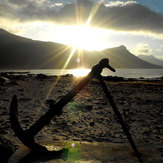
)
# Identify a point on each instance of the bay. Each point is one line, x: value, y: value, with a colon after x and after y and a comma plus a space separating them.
x: 126, y: 73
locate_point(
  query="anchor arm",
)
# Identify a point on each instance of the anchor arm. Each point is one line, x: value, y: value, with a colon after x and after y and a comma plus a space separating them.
x: 25, y: 136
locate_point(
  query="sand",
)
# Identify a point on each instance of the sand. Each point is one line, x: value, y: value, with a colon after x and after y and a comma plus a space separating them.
x: 88, y: 117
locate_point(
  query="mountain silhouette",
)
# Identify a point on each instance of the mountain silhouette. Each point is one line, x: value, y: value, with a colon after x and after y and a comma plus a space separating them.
x: 21, y: 53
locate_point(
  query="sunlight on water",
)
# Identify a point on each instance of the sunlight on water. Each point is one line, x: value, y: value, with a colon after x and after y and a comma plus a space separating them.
x: 79, y: 72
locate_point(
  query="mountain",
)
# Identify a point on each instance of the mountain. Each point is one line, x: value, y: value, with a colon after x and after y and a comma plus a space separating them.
x: 151, y: 59
x: 126, y: 59
x: 21, y: 53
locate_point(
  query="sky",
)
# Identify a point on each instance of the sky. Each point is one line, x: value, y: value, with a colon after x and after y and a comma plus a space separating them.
x: 90, y: 24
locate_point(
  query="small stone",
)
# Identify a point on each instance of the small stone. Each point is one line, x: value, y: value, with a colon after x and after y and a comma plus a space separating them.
x: 92, y: 123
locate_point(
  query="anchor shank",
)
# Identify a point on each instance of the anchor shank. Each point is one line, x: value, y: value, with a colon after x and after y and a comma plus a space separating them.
x: 57, y: 108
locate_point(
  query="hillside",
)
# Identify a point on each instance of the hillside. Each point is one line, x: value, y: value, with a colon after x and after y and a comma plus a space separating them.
x: 22, y: 53
x: 151, y: 59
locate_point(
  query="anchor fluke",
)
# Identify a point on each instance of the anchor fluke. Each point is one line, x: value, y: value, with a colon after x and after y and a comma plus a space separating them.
x: 24, y: 135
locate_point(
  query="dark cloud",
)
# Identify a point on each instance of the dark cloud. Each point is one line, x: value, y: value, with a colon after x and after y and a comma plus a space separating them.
x: 132, y: 17
x: 18, y: 2
x: 129, y: 17
x: 6, y: 11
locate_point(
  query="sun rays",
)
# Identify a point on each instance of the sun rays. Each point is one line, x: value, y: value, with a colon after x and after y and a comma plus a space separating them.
x: 80, y: 36
x: 94, y: 11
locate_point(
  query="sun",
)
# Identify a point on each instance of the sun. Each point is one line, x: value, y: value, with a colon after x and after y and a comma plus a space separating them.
x: 79, y: 36
x: 84, y: 37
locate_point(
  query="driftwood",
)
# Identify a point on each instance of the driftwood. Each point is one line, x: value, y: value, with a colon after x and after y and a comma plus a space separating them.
x: 27, y: 136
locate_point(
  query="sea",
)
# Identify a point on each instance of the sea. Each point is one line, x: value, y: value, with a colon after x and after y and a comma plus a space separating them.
x: 126, y: 73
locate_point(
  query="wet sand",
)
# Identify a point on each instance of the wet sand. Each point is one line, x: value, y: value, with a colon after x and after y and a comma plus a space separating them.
x: 88, y: 117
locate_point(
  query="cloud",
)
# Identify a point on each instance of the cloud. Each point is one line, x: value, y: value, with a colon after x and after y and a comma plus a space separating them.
x: 17, y: 2
x: 118, y: 15
x: 142, y: 48
x: 117, y: 3
x: 131, y: 17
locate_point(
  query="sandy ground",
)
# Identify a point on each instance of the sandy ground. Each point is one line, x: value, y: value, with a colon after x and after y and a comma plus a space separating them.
x: 88, y: 117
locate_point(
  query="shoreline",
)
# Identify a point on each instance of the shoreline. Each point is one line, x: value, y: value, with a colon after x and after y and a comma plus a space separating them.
x: 109, y: 77
x: 134, y: 74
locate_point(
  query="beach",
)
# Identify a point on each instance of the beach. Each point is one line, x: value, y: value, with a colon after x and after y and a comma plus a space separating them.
x: 88, y: 117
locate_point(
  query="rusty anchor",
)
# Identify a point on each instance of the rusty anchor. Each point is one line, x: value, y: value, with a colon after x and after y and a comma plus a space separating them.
x: 27, y: 136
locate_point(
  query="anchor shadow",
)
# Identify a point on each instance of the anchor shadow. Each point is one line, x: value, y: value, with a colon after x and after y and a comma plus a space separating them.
x: 45, y: 156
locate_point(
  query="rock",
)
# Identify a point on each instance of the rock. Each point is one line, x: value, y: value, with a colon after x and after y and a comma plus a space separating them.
x: 50, y: 102
x: 67, y: 75
x: 7, y: 81
x: 113, y: 78
x: 161, y: 78
x: 92, y: 123
x: 41, y: 76
x: 88, y: 108
x: 4, y: 80
x: 13, y: 83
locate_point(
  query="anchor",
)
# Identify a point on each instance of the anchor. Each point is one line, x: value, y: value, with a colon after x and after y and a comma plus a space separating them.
x: 27, y: 136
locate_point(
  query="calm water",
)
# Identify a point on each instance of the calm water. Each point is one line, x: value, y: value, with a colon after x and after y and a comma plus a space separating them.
x: 126, y: 73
